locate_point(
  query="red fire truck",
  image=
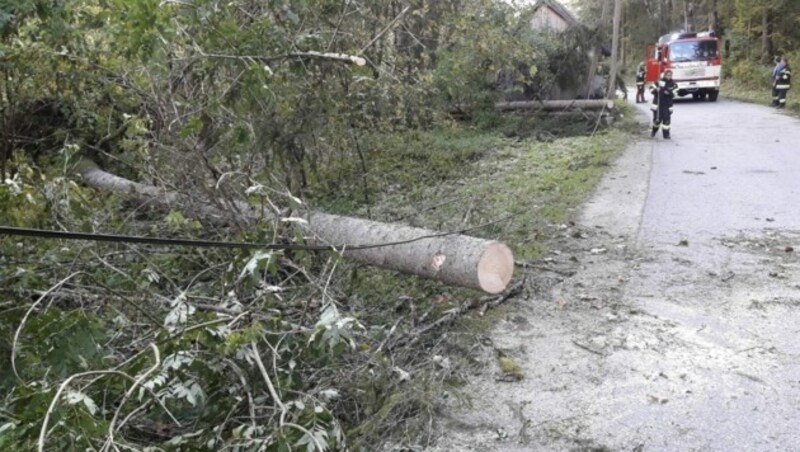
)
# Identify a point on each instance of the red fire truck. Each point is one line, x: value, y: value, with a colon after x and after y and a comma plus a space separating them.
x: 695, y: 60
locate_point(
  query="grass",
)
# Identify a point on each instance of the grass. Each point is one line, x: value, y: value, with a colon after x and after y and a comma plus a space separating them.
x: 510, y: 368
x: 498, y: 187
x: 733, y: 89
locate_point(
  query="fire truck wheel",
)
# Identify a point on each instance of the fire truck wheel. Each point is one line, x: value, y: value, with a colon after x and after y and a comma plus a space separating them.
x: 712, y: 96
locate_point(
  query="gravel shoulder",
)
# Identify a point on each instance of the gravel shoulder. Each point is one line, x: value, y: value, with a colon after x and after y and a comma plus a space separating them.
x: 640, y: 334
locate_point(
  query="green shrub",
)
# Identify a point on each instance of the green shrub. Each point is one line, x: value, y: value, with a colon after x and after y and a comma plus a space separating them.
x: 752, y: 74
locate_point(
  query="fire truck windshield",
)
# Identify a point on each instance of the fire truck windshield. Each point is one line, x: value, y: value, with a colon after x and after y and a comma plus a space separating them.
x: 693, y: 51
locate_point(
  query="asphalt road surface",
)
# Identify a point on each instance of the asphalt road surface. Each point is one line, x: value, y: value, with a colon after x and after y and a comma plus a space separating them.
x: 670, y: 318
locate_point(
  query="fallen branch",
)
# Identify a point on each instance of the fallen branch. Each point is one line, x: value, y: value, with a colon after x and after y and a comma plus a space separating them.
x: 112, y: 428
x: 54, y: 402
x: 451, y: 315
x: 511, y: 292
x: 587, y: 348
x: 546, y: 268
x: 25, y: 319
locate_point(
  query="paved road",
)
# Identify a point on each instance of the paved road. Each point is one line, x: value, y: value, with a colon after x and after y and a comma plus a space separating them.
x: 729, y: 167
x: 685, y: 334
x: 727, y: 186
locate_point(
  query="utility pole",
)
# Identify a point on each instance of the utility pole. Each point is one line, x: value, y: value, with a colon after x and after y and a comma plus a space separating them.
x: 612, y: 77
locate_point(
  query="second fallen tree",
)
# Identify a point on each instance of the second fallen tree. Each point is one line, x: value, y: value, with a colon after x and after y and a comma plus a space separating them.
x: 452, y: 259
x: 556, y: 105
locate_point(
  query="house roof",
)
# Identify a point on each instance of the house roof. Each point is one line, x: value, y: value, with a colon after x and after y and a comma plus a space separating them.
x: 559, y: 9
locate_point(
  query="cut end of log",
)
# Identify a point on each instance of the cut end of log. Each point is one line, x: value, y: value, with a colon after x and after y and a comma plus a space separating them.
x: 495, y: 268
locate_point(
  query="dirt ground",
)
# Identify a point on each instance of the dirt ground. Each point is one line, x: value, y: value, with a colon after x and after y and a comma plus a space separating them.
x: 634, y: 340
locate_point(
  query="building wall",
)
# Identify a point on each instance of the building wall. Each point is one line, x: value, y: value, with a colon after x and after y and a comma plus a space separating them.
x: 546, y: 19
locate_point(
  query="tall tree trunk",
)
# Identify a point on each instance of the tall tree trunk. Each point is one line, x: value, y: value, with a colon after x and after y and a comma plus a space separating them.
x: 598, y: 50
x: 612, y: 79
x: 623, y: 54
x: 713, y: 18
x: 665, y: 16
x: 765, y: 50
x: 688, y: 15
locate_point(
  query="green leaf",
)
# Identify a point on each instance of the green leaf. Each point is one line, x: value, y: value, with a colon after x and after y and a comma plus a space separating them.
x: 75, y: 397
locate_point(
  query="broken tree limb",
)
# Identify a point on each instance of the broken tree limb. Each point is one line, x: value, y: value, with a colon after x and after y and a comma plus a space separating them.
x: 452, y: 259
x: 484, y: 303
x: 95, y: 177
x: 573, y: 113
x: 332, y: 56
x: 555, y: 105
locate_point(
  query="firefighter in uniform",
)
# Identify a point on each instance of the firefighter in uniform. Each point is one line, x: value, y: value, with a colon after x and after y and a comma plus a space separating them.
x: 663, y: 94
x: 783, y: 81
x: 640, y: 76
x: 779, y: 65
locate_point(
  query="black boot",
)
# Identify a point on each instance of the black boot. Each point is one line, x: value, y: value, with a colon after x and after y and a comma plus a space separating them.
x: 653, y: 132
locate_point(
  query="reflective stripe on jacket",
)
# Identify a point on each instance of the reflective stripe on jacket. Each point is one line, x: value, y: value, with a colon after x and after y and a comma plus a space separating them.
x: 663, y: 93
x: 784, y: 79
x: 640, y: 74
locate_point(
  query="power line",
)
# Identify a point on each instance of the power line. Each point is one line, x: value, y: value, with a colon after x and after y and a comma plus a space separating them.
x: 118, y: 238
x: 95, y: 237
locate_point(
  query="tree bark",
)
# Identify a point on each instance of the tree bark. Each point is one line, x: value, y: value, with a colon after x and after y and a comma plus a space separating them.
x: 688, y: 15
x: 623, y: 47
x: 666, y: 16
x: 765, y: 50
x: 555, y: 105
x: 713, y: 18
x: 452, y: 259
x: 97, y: 178
x: 597, y: 51
x: 612, y: 79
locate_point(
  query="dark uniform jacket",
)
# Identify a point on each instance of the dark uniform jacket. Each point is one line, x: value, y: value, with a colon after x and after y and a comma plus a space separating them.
x: 663, y: 95
x: 640, y: 74
x: 783, y: 80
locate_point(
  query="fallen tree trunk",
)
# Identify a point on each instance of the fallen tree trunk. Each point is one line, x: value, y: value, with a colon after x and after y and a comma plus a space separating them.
x: 554, y: 105
x: 452, y: 259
